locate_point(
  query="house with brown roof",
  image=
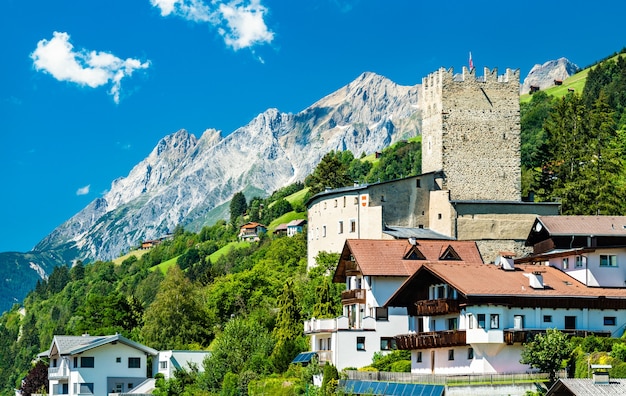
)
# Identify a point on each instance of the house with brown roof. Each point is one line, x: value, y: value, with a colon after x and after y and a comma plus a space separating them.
x: 472, y: 318
x: 372, y: 271
x: 590, y: 249
x: 251, y: 231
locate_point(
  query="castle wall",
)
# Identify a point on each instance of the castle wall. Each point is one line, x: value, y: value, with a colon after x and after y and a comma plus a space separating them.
x: 471, y: 131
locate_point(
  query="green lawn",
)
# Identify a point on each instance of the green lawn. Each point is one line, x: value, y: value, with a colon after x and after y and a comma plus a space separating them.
x: 137, y: 253
x: 286, y: 218
x: 227, y: 249
x: 164, y: 266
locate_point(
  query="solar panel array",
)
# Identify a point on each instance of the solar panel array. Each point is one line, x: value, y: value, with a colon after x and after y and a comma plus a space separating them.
x: 381, y: 388
x: 304, y: 357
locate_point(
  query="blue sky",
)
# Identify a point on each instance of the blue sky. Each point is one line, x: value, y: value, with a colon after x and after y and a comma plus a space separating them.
x: 87, y: 88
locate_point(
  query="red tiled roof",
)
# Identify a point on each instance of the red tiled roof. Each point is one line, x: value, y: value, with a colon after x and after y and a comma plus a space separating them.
x: 584, y: 225
x: 491, y: 280
x: 252, y: 225
x: 387, y: 257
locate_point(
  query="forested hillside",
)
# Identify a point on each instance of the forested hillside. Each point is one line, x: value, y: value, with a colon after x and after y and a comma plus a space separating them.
x: 243, y: 301
x: 573, y: 146
x: 246, y: 301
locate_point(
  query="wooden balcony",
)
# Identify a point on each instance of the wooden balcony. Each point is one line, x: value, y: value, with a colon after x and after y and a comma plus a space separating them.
x: 353, y: 296
x: 441, y: 306
x: 352, y: 269
x: 433, y: 339
x: 516, y: 336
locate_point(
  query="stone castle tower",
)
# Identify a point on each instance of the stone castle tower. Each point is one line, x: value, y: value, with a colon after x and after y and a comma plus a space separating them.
x: 471, y: 132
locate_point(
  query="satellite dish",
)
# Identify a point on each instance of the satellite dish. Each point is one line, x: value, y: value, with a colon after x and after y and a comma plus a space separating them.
x: 538, y: 227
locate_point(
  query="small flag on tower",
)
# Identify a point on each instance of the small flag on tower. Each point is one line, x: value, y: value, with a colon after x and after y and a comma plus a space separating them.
x: 471, y: 63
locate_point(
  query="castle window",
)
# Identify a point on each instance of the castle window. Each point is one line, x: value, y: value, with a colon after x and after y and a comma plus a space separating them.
x: 335, y: 203
x: 324, y: 231
x: 418, y: 183
x: 341, y: 227
x: 344, y: 202
x: 352, y: 225
x: 356, y: 200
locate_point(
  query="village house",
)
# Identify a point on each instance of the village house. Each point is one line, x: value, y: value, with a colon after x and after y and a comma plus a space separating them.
x: 372, y: 271
x: 295, y: 227
x: 251, y: 231
x: 168, y: 362
x: 96, y: 365
x: 590, y: 249
x: 473, y: 318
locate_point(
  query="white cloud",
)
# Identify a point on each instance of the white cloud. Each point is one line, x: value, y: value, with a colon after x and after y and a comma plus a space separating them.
x: 91, y: 68
x: 245, y: 24
x: 83, y: 190
x: 240, y: 22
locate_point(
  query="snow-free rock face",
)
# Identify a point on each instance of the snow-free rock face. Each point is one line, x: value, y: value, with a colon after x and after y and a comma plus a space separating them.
x: 544, y: 76
x: 183, y: 178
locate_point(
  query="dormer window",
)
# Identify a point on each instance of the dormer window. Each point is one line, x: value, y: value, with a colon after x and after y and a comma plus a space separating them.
x: 414, y: 254
x: 450, y: 254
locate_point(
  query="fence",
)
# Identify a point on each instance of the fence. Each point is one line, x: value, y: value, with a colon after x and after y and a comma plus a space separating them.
x: 449, y: 380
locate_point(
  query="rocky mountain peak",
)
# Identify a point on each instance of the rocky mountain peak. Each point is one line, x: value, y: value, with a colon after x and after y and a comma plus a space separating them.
x: 545, y: 75
x: 184, y: 178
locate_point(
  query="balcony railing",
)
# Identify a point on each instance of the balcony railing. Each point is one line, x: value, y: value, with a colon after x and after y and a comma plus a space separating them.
x: 352, y: 269
x: 61, y: 372
x: 433, y: 339
x: 441, y: 306
x: 325, y: 356
x: 514, y: 336
x: 353, y: 296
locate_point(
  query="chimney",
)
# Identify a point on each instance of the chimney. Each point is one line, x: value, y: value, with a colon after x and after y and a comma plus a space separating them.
x: 601, y: 374
x: 535, y: 280
x: 506, y: 262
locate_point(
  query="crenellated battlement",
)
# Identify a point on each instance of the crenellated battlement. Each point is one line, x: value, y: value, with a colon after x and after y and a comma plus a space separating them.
x: 435, y: 80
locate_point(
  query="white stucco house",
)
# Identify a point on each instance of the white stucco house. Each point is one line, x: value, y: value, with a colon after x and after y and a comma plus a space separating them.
x: 372, y: 271
x: 167, y: 362
x: 96, y: 365
x: 473, y: 319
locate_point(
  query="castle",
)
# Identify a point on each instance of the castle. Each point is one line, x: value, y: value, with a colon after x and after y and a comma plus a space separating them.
x: 470, y: 188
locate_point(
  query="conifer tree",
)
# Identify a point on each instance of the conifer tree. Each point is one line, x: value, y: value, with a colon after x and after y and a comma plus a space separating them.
x: 288, y: 329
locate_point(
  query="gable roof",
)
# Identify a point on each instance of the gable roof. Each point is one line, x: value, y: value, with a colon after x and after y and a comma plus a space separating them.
x: 551, y: 226
x: 584, y: 225
x: 375, y: 257
x: 71, y: 345
x: 488, y: 280
x: 586, y: 387
x: 296, y: 223
x: 251, y: 225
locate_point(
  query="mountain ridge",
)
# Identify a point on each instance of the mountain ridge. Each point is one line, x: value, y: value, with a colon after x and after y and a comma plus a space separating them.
x: 184, y: 176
